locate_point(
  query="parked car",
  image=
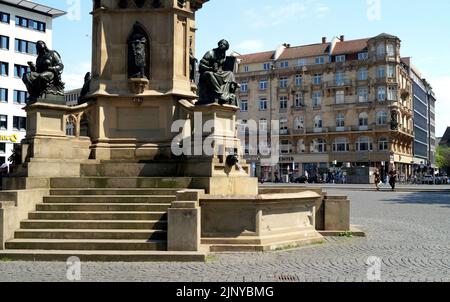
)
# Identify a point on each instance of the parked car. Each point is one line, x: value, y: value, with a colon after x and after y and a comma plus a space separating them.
x: 427, y: 180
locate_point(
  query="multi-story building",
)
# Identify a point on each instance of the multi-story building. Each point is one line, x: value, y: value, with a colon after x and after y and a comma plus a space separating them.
x: 72, y: 97
x: 424, y: 101
x: 339, y: 104
x: 22, y: 24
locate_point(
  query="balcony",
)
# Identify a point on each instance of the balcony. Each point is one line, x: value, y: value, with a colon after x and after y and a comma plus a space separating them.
x: 298, y: 108
x: 338, y: 84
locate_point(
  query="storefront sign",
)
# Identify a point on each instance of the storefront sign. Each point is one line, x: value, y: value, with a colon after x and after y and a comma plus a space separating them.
x: 287, y: 159
x: 9, y: 138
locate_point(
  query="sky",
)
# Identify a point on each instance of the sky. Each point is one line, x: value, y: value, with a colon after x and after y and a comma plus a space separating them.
x: 258, y: 25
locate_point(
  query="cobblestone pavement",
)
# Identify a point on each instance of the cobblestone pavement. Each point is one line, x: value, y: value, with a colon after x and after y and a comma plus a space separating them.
x: 408, y: 232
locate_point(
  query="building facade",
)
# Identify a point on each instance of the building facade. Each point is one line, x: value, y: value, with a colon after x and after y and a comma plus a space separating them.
x: 22, y: 24
x: 72, y: 96
x: 424, y: 101
x: 339, y: 104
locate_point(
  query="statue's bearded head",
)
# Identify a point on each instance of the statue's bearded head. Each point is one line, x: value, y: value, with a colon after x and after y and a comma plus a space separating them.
x: 224, y: 45
x: 41, y: 47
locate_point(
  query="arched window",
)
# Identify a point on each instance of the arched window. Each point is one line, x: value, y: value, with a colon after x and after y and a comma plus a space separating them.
x: 318, y: 146
x: 364, y: 143
x: 301, y: 147
x: 299, y: 123
x: 383, y: 144
x: 70, y: 126
x: 318, y: 122
x: 341, y: 145
x: 363, y: 121
x: 340, y: 122
x: 382, y: 118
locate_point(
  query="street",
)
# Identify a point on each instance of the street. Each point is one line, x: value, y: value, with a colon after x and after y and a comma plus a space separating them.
x: 408, y: 232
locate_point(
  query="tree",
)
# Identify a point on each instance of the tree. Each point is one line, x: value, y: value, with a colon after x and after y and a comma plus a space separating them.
x: 443, y: 158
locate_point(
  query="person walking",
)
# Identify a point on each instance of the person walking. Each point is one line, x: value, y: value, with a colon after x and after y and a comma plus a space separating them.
x: 377, y: 179
x: 393, y: 178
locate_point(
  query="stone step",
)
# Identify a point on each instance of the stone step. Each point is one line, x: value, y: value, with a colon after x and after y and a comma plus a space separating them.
x: 85, y: 244
x: 65, y: 215
x: 114, y: 191
x: 110, y: 199
x: 94, y: 224
x: 122, y: 182
x: 103, y: 256
x: 103, y: 207
x: 91, y: 234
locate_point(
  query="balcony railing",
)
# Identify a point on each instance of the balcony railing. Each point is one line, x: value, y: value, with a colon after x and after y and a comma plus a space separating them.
x: 339, y: 83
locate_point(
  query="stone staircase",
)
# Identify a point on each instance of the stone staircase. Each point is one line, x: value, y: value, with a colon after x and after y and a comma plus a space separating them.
x: 100, y: 219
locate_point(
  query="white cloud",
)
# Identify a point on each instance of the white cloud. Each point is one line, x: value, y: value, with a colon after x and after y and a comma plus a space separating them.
x: 286, y: 11
x: 249, y: 46
x: 441, y: 87
x: 74, y: 74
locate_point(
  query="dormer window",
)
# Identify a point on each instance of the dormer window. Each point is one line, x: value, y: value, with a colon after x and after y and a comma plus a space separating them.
x: 340, y: 59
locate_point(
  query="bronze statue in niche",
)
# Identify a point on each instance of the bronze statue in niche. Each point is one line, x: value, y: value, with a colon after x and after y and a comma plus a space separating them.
x: 138, y: 53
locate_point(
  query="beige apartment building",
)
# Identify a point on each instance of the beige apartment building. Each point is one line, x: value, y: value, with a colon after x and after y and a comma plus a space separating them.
x: 339, y: 104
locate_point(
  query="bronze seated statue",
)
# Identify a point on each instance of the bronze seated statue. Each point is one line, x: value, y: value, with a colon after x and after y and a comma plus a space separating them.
x: 44, y: 77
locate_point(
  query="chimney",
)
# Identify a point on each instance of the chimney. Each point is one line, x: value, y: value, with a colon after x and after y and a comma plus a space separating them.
x: 342, y: 38
x: 324, y: 40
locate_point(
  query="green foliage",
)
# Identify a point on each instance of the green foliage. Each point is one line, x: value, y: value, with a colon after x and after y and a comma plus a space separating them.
x: 5, y: 259
x: 443, y: 157
x: 347, y: 234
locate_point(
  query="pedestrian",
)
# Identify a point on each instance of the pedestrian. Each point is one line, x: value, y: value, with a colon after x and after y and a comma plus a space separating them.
x: 377, y: 179
x: 393, y: 178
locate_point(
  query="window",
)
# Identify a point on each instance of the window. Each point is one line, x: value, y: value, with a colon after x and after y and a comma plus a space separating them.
x: 299, y: 123
x: 362, y: 56
x: 263, y: 104
x: 382, y: 118
x: 20, y: 97
x: 25, y: 47
x: 3, y: 122
x: 283, y: 83
x: 381, y: 50
x: 301, y: 62
x: 390, y: 50
x: 246, y: 68
x: 284, y: 64
x: 242, y: 126
x: 3, y: 95
x: 381, y: 94
x: 363, y: 74
x: 285, y: 147
x: 299, y: 103
x: 283, y: 102
x: 317, y: 99
x: 4, y: 69
x: 363, y: 94
x: 301, y: 147
x: 340, y: 121
x: 364, y: 144
x: 340, y: 97
x: 4, y: 17
x: 244, y: 86
x: 340, y: 78
x: 317, y: 80
x: 320, y: 60
x: 20, y: 70
x: 318, y: 122
x: 340, y: 58
x: 391, y: 71
x: 284, y: 125
x: 266, y: 66
x: 4, y: 42
x: 263, y: 125
x: 244, y: 105
x: 319, y: 146
x: 298, y: 80
x: 19, y: 123
x: 381, y: 72
x: 263, y: 85
x: 363, y: 121
x: 383, y: 144
x: 2, y: 149
x: 70, y: 126
x: 341, y: 145
x: 392, y: 93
